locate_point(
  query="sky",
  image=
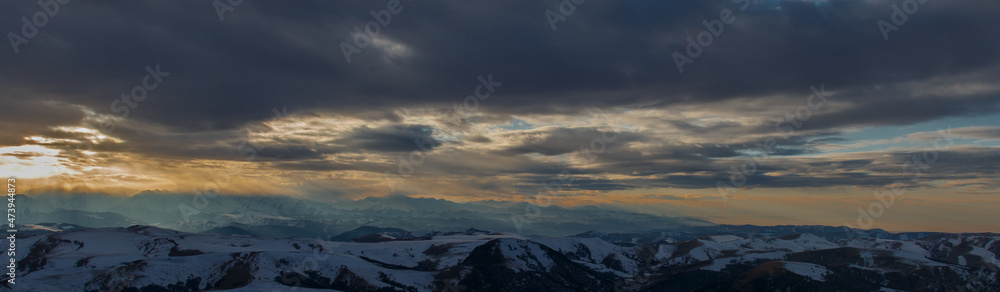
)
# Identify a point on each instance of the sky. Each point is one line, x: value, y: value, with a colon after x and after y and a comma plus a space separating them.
x: 871, y: 114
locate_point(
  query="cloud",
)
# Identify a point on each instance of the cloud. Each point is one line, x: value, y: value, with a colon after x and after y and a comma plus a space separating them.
x: 290, y: 153
x: 226, y: 74
x: 607, y: 60
x: 556, y: 141
x: 981, y: 132
x: 397, y: 138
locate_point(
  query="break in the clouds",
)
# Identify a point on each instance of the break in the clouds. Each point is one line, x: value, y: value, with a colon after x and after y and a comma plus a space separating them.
x: 485, y: 100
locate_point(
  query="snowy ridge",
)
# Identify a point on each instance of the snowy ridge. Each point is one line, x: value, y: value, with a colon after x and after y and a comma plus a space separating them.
x: 812, y: 271
x: 524, y: 256
x: 157, y: 259
x: 595, y: 253
x: 101, y: 259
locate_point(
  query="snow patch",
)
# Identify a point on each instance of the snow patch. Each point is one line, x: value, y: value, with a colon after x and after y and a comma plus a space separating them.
x: 812, y: 271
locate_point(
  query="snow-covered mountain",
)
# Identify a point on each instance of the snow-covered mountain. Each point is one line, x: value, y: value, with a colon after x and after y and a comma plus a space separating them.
x: 144, y: 258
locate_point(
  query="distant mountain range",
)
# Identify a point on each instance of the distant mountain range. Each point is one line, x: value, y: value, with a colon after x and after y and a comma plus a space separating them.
x: 282, y: 217
x: 144, y: 258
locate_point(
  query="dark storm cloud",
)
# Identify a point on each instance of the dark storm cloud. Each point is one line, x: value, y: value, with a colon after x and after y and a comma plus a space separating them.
x: 879, y: 170
x: 227, y: 74
x: 910, y: 168
x: 895, y: 109
x: 273, y: 54
x: 28, y: 117
x: 396, y: 138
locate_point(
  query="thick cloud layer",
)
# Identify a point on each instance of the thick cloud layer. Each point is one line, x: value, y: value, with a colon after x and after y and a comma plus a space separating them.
x: 494, y: 99
x: 605, y: 54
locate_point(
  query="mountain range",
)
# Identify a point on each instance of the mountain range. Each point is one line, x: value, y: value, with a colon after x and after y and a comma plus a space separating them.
x: 282, y: 216
x: 181, y: 242
x: 145, y: 258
